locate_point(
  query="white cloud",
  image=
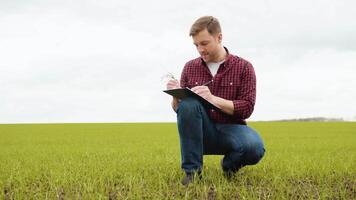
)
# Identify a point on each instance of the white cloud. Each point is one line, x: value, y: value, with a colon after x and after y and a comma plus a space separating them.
x: 101, y: 61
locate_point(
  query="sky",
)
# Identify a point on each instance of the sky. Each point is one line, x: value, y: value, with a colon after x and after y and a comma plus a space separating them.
x: 102, y: 61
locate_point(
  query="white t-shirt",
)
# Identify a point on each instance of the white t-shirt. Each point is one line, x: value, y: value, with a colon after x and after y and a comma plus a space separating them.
x: 214, y: 66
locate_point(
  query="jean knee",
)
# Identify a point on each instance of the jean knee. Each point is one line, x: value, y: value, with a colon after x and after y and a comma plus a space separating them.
x: 188, y: 105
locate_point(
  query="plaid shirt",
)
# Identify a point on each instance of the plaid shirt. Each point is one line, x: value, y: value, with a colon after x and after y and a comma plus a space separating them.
x: 235, y: 80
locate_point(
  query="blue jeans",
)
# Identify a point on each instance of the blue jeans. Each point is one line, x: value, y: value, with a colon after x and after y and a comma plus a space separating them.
x: 199, y: 136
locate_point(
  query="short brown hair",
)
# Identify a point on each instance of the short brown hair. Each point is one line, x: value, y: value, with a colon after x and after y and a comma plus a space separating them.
x: 207, y: 22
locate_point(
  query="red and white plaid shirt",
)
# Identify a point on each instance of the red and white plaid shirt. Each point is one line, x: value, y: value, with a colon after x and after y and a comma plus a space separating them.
x: 235, y: 80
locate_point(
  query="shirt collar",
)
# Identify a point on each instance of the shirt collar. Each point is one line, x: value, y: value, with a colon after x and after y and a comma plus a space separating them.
x: 228, y: 57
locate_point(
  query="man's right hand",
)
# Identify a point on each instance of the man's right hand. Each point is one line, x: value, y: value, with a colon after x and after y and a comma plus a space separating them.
x: 172, y: 84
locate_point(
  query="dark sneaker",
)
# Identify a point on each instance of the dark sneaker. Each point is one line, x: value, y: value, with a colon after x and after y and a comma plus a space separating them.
x: 228, y: 173
x: 190, y: 177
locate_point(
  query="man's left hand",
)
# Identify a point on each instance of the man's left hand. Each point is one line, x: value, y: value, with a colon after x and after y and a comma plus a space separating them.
x: 204, y: 92
x: 227, y: 106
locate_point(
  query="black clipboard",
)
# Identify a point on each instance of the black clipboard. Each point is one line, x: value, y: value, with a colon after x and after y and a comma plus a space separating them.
x: 182, y: 93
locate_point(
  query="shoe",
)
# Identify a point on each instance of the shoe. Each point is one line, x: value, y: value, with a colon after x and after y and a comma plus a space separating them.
x: 228, y: 173
x: 190, y: 177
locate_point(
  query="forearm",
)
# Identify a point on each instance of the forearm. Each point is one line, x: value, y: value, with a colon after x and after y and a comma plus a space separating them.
x: 226, y: 106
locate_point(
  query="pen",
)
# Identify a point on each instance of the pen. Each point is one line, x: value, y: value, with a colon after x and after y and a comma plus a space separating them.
x: 207, y: 83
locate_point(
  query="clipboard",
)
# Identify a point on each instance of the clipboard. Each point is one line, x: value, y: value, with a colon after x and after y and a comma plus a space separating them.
x: 182, y: 93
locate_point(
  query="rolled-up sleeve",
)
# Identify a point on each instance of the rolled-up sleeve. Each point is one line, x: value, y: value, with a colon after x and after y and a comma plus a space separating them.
x: 244, y: 104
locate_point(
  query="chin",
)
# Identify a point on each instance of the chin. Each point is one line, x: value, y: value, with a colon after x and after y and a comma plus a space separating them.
x: 205, y: 59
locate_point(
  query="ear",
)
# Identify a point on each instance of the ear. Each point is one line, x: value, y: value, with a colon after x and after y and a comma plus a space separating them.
x: 220, y: 37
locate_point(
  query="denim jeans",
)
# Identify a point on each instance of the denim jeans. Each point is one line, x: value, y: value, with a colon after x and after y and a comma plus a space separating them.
x: 199, y: 136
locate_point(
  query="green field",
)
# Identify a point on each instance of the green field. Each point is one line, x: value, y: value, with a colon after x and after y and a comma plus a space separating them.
x: 303, y: 160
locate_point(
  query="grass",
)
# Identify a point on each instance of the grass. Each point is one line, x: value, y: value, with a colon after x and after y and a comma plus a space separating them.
x: 304, y: 160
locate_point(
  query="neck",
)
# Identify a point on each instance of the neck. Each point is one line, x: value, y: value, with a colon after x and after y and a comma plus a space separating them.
x: 221, y: 55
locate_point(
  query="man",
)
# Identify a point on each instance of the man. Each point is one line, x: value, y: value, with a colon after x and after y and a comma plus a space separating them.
x: 228, y: 82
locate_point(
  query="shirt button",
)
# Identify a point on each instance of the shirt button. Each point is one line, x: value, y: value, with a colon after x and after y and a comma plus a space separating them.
x: 196, y: 83
x: 230, y: 83
x: 212, y: 110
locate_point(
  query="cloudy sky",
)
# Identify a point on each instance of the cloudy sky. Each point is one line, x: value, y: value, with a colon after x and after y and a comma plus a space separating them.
x: 102, y: 61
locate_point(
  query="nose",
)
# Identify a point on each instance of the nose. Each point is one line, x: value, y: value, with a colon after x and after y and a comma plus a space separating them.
x: 201, y: 49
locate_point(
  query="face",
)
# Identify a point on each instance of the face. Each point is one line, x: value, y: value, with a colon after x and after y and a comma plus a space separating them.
x: 207, y: 45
